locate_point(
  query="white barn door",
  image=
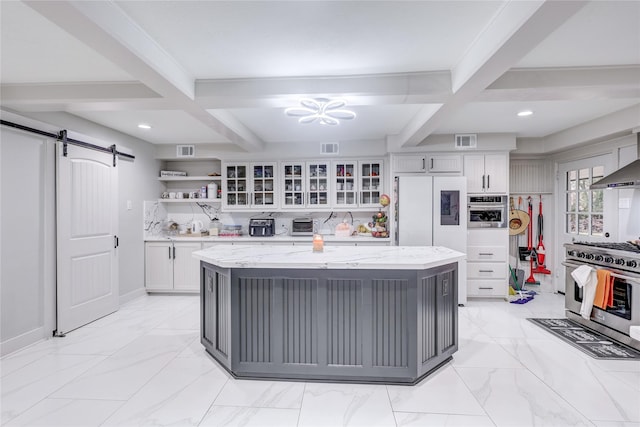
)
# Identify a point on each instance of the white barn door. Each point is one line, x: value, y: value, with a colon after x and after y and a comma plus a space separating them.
x: 87, y: 282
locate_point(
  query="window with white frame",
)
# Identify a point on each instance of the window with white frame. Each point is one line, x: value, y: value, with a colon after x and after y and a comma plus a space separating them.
x: 584, y: 208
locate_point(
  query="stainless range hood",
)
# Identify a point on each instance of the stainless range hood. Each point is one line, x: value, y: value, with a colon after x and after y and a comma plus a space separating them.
x: 626, y: 177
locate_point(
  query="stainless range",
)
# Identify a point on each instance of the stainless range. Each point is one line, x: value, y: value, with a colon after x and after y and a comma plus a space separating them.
x: 623, y: 261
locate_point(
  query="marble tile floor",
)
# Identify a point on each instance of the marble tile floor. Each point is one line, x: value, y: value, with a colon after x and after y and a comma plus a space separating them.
x: 144, y: 365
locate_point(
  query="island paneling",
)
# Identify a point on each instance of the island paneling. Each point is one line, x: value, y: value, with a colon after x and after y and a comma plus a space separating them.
x: 339, y: 324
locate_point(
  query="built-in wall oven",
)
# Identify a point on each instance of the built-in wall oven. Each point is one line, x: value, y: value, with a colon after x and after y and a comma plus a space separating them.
x: 623, y: 261
x: 487, y: 211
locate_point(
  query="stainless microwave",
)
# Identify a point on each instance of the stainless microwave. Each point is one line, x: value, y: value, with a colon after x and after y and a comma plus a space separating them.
x: 487, y: 212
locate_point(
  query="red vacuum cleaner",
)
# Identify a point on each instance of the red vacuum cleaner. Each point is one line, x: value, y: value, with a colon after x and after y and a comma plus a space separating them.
x: 540, y: 251
x: 530, y: 280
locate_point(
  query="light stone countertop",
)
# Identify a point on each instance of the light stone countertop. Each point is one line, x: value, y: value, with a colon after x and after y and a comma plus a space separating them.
x: 266, y: 240
x: 333, y: 257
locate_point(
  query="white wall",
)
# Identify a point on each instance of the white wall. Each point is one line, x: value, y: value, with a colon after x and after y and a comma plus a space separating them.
x: 25, y: 254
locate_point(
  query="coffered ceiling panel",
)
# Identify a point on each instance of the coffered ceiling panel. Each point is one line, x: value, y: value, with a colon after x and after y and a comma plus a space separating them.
x: 222, y: 72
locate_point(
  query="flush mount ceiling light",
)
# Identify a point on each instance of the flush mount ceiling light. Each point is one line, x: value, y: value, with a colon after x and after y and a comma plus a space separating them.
x: 326, y: 111
x: 525, y: 113
x: 144, y: 126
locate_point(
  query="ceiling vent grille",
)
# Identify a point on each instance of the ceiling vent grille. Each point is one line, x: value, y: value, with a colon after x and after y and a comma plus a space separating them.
x: 329, y: 148
x: 185, y: 151
x: 466, y: 141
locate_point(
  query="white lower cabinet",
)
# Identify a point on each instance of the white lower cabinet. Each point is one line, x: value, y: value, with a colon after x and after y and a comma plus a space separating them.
x: 170, y: 267
x: 487, y: 263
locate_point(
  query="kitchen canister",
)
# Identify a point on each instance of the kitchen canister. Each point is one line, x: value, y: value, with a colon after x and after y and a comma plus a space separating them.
x: 212, y: 190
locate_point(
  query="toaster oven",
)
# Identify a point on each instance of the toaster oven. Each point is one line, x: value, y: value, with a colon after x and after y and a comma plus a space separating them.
x: 302, y: 227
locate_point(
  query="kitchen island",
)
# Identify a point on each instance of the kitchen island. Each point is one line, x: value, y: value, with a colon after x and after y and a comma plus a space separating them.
x: 372, y: 314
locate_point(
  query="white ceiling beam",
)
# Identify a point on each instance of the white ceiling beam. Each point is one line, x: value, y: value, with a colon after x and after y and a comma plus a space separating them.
x: 76, y: 92
x: 545, y: 84
x: 379, y: 89
x: 516, y: 29
x: 601, y: 129
x: 105, y: 27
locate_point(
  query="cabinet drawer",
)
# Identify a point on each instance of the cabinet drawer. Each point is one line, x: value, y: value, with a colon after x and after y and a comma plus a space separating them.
x: 487, y: 253
x: 487, y: 270
x: 487, y: 288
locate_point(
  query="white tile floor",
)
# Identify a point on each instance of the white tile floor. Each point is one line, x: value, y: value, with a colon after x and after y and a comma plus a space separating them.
x: 144, y: 365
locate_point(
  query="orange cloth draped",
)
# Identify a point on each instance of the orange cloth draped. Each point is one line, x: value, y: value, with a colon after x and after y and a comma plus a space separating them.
x: 604, y: 290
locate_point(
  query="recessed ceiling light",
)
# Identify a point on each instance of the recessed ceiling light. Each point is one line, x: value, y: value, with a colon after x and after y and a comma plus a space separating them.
x: 144, y: 126
x: 525, y: 113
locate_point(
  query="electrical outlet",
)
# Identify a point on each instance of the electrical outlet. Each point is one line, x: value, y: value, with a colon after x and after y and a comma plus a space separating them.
x: 129, y: 205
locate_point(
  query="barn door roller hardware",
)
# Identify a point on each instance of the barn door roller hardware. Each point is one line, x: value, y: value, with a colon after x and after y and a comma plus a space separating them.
x: 62, y: 136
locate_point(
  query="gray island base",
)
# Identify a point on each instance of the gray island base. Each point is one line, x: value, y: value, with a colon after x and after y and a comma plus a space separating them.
x: 375, y: 314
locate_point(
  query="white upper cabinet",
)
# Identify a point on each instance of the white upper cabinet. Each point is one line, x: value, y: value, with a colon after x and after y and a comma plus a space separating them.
x: 318, y: 184
x: 357, y: 183
x: 302, y: 185
x: 444, y: 163
x: 235, y: 186
x: 263, y: 185
x: 293, y: 185
x: 249, y: 185
x: 486, y: 173
x: 345, y: 182
x: 409, y: 163
x: 427, y: 163
x: 370, y: 182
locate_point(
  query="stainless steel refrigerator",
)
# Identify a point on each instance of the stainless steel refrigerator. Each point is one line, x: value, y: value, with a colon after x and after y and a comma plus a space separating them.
x: 431, y: 211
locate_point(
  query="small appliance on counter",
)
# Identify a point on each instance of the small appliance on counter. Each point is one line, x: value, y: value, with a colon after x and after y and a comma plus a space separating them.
x: 302, y: 227
x: 262, y: 227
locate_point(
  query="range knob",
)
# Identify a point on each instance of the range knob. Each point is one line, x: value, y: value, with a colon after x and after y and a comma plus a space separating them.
x: 581, y: 255
x: 599, y: 258
x: 608, y: 260
x: 590, y: 256
x: 572, y: 253
x: 632, y: 264
x: 619, y: 261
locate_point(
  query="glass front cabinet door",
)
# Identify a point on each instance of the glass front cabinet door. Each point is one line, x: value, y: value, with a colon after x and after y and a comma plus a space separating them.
x: 345, y: 184
x: 370, y: 183
x: 263, y: 184
x: 293, y: 185
x: 235, y: 186
x: 318, y: 184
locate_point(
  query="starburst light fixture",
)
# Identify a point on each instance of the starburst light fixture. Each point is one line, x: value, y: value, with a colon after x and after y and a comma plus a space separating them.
x: 327, y: 111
